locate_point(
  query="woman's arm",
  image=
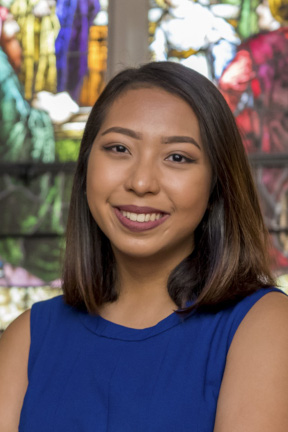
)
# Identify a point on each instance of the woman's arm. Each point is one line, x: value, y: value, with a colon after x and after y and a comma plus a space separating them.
x: 254, y: 391
x: 14, y: 352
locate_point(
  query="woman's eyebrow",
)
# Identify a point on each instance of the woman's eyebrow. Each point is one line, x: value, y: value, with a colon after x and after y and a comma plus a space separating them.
x: 165, y: 140
x: 180, y: 139
x: 124, y: 131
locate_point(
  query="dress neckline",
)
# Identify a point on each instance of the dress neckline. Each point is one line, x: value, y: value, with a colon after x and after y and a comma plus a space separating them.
x: 110, y: 330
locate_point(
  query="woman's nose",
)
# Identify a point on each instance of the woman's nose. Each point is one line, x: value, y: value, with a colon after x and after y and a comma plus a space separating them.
x: 143, y: 179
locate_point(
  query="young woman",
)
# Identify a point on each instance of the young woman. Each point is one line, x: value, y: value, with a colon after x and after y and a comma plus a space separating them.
x: 168, y: 321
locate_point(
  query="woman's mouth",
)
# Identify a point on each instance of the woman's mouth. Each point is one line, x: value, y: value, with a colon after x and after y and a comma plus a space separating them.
x: 141, y: 219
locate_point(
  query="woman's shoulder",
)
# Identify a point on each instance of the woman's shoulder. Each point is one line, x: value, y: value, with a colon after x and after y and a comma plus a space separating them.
x: 247, y: 302
x: 15, y: 348
x: 57, y: 301
x: 52, y: 316
x: 255, y: 380
x: 16, y: 338
x: 53, y: 307
x: 237, y: 314
x: 14, y: 353
x: 273, y: 301
x: 18, y: 329
x: 267, y: 320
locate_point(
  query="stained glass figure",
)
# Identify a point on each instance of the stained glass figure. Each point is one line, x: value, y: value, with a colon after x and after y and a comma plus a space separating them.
x: 255, y: 86
x: 76, y: 18
x: 189, y: 32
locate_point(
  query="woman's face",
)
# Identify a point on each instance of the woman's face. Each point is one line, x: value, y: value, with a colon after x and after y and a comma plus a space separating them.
x: 148, y: 177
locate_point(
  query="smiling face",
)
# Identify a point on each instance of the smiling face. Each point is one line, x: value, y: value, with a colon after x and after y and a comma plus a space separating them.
x: 148, y: 177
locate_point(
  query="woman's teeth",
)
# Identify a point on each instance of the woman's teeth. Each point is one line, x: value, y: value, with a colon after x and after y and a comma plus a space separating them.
x: 147, y: 217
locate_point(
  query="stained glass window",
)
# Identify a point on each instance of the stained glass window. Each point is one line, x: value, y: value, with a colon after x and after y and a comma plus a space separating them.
x: 52, y: 68
x: 52, y: 64
x: 242, y: 46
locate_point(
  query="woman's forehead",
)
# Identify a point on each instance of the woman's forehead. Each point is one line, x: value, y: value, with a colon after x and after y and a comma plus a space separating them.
x: 152, y: 109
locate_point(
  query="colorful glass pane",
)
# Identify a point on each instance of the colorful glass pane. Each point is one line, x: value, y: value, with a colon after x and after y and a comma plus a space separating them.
x: 53, y: 59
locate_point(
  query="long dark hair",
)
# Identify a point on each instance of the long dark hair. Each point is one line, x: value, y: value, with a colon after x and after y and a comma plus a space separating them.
x: 230, y: 258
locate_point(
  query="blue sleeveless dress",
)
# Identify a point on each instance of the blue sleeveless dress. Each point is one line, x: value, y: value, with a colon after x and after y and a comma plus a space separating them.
x: 87, y: 374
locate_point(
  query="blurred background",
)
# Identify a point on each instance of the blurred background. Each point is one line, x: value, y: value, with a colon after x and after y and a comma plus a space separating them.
x: 55, y: 57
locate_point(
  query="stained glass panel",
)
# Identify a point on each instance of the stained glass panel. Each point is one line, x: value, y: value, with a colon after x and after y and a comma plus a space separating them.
x: 52, y: 64
x: 272, y: 184
x: 242, y: 46
x: 15, y: 300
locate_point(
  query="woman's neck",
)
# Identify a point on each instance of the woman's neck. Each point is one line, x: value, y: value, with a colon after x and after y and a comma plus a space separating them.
x: 143, y: 297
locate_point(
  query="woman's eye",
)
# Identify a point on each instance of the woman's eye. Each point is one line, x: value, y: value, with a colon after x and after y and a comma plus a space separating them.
x: 117, y: 148
x: 179, y: 158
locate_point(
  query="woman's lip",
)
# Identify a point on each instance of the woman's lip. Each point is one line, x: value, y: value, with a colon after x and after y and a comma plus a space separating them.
x: 139, y: 209
x: 138, y: 226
